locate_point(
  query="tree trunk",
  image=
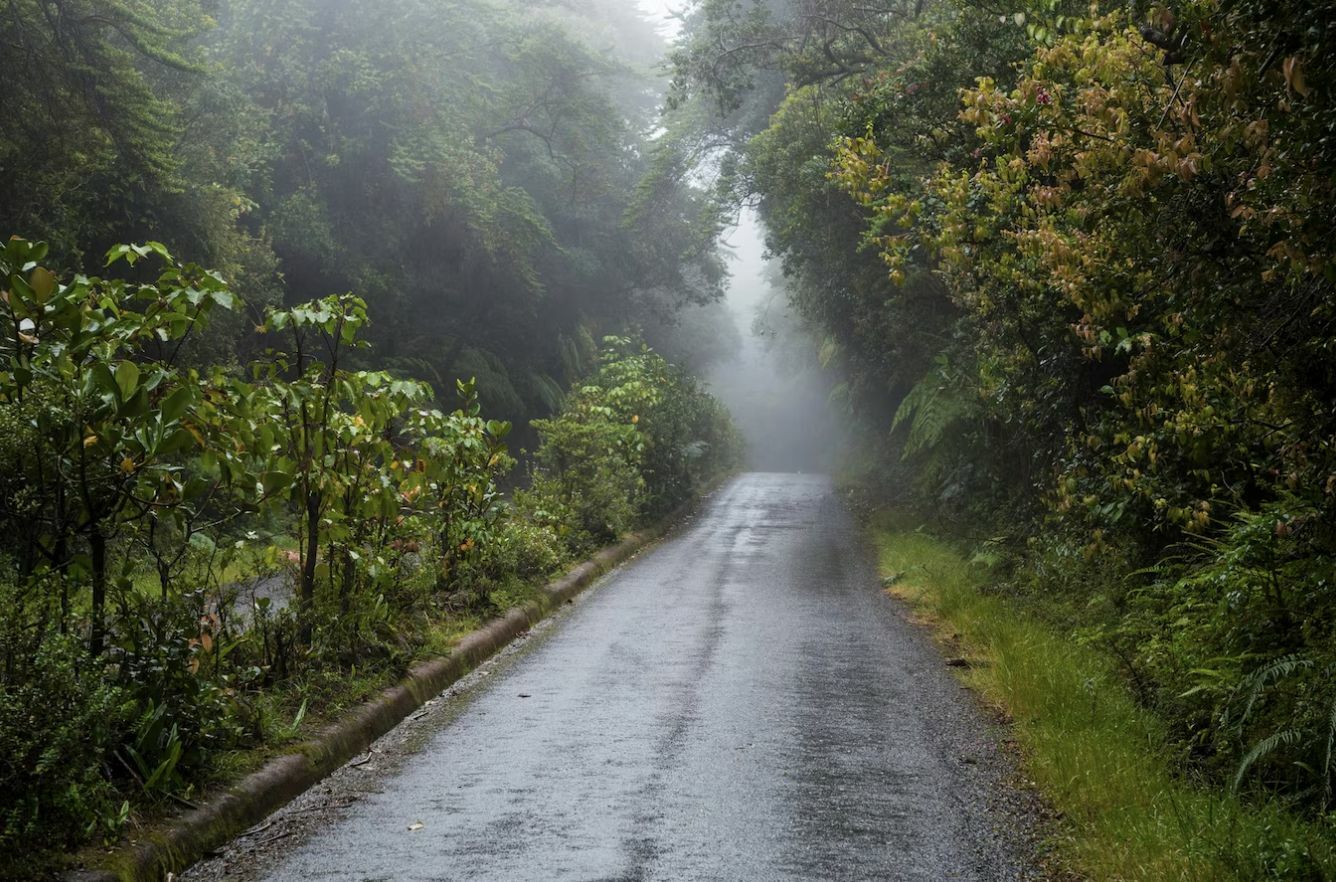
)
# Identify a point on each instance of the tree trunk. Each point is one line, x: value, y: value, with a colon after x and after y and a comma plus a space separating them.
x: 348, y: 581
x: 61, y: 566
x: 97, y: 544
x: 307, y: 587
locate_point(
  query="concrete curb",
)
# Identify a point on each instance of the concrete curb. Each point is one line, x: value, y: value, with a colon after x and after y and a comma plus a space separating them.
x: 229, y: 813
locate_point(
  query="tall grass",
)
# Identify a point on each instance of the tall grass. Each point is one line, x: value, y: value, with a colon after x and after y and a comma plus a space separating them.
x: 1098, y: 758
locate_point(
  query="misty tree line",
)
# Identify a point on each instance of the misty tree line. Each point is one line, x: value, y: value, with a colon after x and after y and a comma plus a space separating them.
x: 475, y: 170
x: 256, y: 464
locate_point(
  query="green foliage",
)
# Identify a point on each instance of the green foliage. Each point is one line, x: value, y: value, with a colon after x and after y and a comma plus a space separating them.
x: 59, y: 721
x: 99, y: 88
x: 636, y: 439
x: 523, y: 549
x: 522, y: 553
x: 223, y: 518
x: 472, y: 169
x: 1170, y: 408
x: 1233, y: 641
x: 588, y: 480
x: 173, y: 666
x: 328, y: 461
x: 930, y: 409
x: 468, y: 168
x: 1078, y: 259
x: 92, y: 363
x: 1106, y: 764
x: 452, y: 487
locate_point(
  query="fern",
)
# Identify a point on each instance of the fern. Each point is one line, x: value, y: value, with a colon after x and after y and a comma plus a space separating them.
x: 547, y: 391
x: 1258, y: 680
x: 931, y: 408
x: 1268, y: 745
x: 1316, y: 736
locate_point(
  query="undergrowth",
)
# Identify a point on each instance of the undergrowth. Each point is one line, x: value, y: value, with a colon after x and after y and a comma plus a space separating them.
x: 1106, y: 765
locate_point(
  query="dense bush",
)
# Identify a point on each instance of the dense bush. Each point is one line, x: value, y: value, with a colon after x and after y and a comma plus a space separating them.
x: 635, y: 439
x: 1128, y: 247
x: 230, y: 522
x: 522, y: 554
x: 61, y: 719
x: 1236, y: 640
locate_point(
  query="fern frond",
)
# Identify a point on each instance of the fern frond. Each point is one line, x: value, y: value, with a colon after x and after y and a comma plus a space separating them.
x: 1265, y: 747
x: 830, y: 348
x: 1327, y: 769
x: 1268, y: 674
x: 931, y: 408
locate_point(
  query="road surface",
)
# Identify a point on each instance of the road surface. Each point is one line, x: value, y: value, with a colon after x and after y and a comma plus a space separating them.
x: 740, y: 702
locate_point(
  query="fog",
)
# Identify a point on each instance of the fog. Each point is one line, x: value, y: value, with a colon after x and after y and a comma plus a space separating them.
x: 663, y: 14
x: 772, y: 384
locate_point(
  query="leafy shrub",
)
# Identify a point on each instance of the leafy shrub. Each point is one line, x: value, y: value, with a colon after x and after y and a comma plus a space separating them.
x: 634, y: 440
x: 522, y: 549
x: 687, y: 436
x: 588, y: 479
x: 1103, y: 217
x: 1237, y: 637
x: 522, y: 554
x: 127, y: 668
x: 173, y: 667
x: 60, y: 719
x: 453, y: 488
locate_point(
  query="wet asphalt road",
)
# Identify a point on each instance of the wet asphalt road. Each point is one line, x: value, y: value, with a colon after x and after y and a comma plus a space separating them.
x: 741, y: 702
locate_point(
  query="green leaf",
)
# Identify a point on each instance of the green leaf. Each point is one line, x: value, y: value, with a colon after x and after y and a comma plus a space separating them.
x: 121, y: 252
x: 21, y: 288
x: 275, y: 481
x: 43, y: 283
x: 181, y: 439
x: 127, y: 379
x: 105, y: 380
x: 157, y: 248
x: 137, y: 405
x: 176, y: 404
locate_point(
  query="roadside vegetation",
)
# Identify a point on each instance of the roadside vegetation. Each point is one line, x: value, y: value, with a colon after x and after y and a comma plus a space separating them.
x: 141, y: 495
x: 233, y: 500
x: 1073, y: 262
x: 1126, y: 808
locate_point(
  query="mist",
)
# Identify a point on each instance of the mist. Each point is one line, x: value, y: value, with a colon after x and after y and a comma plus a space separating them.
x: 772, y: 384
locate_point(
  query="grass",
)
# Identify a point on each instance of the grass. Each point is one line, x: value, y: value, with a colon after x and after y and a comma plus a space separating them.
x: 1101, y: 761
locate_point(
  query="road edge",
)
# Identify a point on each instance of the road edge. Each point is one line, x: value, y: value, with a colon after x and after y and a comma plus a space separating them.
x: 230, y: 812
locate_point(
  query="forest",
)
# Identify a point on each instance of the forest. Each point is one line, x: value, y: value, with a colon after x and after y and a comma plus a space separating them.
x: 330, y: 330
x: 282, y: 277
x: 1074, y: 261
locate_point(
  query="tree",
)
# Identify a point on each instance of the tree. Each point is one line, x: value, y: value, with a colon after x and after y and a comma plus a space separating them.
x: 100, y: 90
x: 91, y: 366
